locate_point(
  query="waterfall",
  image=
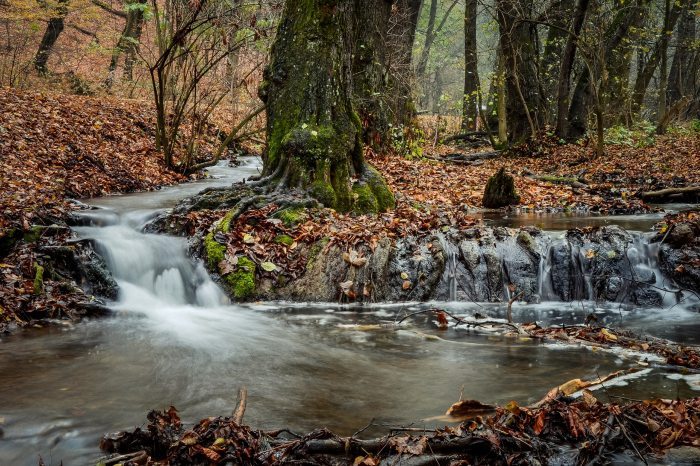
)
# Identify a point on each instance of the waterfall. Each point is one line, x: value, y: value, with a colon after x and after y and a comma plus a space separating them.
x: 153, y: 265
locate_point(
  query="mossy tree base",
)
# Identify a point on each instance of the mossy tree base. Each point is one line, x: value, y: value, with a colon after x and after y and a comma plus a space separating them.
x: 314, y: 132
x: 500, y: 191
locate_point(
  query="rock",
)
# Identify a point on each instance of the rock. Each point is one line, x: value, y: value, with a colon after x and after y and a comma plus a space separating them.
x: 500, y: 191
x: 683, y: 455
x: 681, y: 234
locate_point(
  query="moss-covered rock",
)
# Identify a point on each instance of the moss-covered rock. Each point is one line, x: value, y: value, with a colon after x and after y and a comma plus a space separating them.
x: 33, y: 235
x: 500, y: 191
x: 376, y: 182
x: 241, y: 282
x: 365, y: 200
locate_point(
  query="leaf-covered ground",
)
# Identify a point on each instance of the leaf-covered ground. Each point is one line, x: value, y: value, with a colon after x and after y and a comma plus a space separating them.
x: 55, y: 147
x: 560, y: 430
x: 550, y: 177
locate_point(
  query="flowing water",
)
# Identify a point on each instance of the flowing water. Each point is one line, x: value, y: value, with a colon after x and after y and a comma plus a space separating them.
x: 174, y: 339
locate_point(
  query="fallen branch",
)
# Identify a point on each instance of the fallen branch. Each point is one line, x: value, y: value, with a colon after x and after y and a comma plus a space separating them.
x: 664, y: 194
x: 240, y: 406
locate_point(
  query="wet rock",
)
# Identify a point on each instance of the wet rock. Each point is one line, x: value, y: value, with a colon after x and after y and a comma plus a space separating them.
x: 647, y: 297
x: 79, y: 261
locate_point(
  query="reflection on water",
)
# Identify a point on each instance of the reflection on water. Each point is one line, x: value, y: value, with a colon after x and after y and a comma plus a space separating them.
x: 565, y: 220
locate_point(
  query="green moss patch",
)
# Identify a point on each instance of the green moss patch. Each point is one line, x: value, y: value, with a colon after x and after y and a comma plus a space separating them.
x: 284, y: 239
x: 241, y: 282
x: 291, y: 216
x: 214, y: 252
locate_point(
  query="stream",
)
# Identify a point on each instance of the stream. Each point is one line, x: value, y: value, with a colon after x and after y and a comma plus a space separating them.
x: 174, y: 339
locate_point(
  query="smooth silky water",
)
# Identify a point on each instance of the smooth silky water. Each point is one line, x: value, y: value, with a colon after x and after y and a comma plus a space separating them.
x: 175, y: 340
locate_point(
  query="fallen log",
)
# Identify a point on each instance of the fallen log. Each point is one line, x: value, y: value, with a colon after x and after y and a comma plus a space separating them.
x: 669, y: 194
x: 469, y: 135
x: 467, y: 159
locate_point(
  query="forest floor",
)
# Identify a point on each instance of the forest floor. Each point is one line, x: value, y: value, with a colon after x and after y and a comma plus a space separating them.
x: 55, y: 148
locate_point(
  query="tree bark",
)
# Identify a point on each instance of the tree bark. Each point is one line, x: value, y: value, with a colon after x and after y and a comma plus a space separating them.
x: 53, y: 29
x: 680, y: 78
x: 128, y: 41
x: 471, y: 71
x: 613, y: 37
x: 519, y: 47
x: 370, y: 70
x: 314, y: 133
x: 560, y: 17
x: 403, y: 23
x: 567, y: 66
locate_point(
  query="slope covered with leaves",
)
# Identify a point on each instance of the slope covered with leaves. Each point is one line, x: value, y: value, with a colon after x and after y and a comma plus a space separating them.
x: 54, y: 147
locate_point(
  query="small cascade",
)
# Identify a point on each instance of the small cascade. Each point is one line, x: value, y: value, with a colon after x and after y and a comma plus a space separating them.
x: 156, y: 265
x: 544, y: 282
x: 450, y: 276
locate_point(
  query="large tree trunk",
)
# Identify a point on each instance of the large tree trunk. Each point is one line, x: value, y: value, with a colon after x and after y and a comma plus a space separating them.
x: 314, y: 134
x: 567, y: 66
x: 404, y: 21
x: 519, y: 46
x: 370, y: 70
x: 53, y: 30
x: 471, y: 72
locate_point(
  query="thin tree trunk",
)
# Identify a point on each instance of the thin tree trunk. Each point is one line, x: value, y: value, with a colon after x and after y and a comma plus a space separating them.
x: 53, y: 29
x: 560, y: 17
x: 471, y: 71
x: 502, y: 111
x: 663, y: 71
x: 567, y: 66
x: 681, y: 76
x: 427, y: 43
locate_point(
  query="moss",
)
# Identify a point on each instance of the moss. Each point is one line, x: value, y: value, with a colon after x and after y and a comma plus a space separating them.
x: 365, y: 200
x: 33, y: 235
x: 284, y: 239
x: 225, y: 223
x: 500, y: 191
x: 214, y: 252
x: 38, y: 279
x: 324, y: 193
x: 385, y: 198
x: 241, y: 282
x: 291, y: 215
x: 526, y: 240
x: 315, y: 250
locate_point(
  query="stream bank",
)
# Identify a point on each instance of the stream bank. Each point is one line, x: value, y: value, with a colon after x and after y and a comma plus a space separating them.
x: 308, y: 254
